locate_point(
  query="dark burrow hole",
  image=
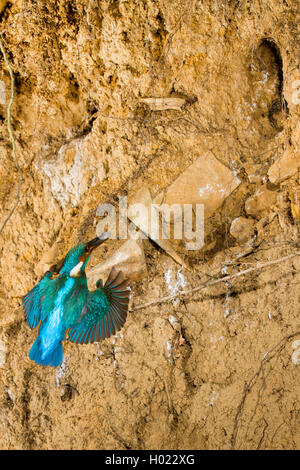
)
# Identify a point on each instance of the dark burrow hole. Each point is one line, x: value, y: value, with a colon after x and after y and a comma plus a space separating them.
x: 270, y: 61
x: 270, y: 51
x: 66, y: 392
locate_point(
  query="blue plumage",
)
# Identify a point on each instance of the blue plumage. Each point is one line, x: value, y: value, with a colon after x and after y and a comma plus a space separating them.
x: 61, y: 301
x: 54, y: 358
x: 32, y: 302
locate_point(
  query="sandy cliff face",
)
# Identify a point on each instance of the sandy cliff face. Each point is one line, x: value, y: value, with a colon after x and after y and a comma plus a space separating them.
x: 219, y: 368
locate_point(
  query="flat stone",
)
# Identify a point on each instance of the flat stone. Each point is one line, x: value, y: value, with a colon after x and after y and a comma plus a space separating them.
x: 162, y: 104
x: 242, y: 229
x: 130, y: 259
x: 2, y: 353
x: 285, y: 167
x: 142, y: 220
x: 262, y: 200
x: 206, y: 181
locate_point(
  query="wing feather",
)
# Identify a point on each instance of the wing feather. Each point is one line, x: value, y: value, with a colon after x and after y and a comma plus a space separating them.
x: 105, y: 311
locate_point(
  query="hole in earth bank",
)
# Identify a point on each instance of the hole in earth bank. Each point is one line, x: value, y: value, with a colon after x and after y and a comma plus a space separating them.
x: 270, y: 54
x: 266, y: 78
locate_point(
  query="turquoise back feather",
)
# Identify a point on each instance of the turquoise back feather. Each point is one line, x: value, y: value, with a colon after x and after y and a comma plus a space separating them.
x: 75, y: 302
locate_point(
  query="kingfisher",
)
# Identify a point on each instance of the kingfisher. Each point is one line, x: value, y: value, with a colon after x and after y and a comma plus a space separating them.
x: 61, y: 301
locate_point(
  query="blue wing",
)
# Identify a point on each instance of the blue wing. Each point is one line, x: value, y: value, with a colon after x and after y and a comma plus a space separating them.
x: 32, y: 302
x: 105, y: 311
x: 32, y: 306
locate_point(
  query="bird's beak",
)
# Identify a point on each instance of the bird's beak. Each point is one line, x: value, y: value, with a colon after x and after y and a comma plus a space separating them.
x: 90, y: 246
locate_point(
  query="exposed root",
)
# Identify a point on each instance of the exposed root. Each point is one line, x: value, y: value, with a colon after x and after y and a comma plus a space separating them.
x: 12, y: 81
x: 214, y: 282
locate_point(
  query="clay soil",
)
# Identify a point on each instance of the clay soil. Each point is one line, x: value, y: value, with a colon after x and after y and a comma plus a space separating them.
x: 225, y: 373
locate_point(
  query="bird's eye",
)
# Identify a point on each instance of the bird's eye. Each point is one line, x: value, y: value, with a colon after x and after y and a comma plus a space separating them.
x: 87, y: 249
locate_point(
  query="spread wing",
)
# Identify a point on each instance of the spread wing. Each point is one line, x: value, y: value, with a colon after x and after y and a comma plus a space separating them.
x: 105, y: 311
x: 32, y: 302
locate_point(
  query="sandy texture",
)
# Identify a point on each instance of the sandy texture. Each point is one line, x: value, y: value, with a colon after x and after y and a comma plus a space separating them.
x: 214, y: 370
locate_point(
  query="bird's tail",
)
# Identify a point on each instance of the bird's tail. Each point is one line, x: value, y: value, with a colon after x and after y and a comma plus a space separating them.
x: 53, y: 358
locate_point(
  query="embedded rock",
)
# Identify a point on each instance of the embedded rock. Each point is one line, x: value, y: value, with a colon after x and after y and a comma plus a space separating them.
x: 242, y: 229
x: 143, y: 214
x: 285, y: 167
x: 207, y: 181
x: 262, y: 200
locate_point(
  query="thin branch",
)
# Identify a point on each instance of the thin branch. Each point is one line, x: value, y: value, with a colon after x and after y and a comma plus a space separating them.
x: 12, y: 80
x: 214, y: 282
x: 263, y: 434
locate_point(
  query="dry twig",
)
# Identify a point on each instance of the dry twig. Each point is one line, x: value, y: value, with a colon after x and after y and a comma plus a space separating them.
x: 9, y: 128
x: 214, y: 282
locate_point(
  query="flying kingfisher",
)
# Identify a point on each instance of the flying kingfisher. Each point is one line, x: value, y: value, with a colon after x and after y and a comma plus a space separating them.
x: 61, y: 301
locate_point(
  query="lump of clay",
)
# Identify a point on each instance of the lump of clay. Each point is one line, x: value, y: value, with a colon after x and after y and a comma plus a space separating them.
x: 242, y: 229
x: 262, y: 200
